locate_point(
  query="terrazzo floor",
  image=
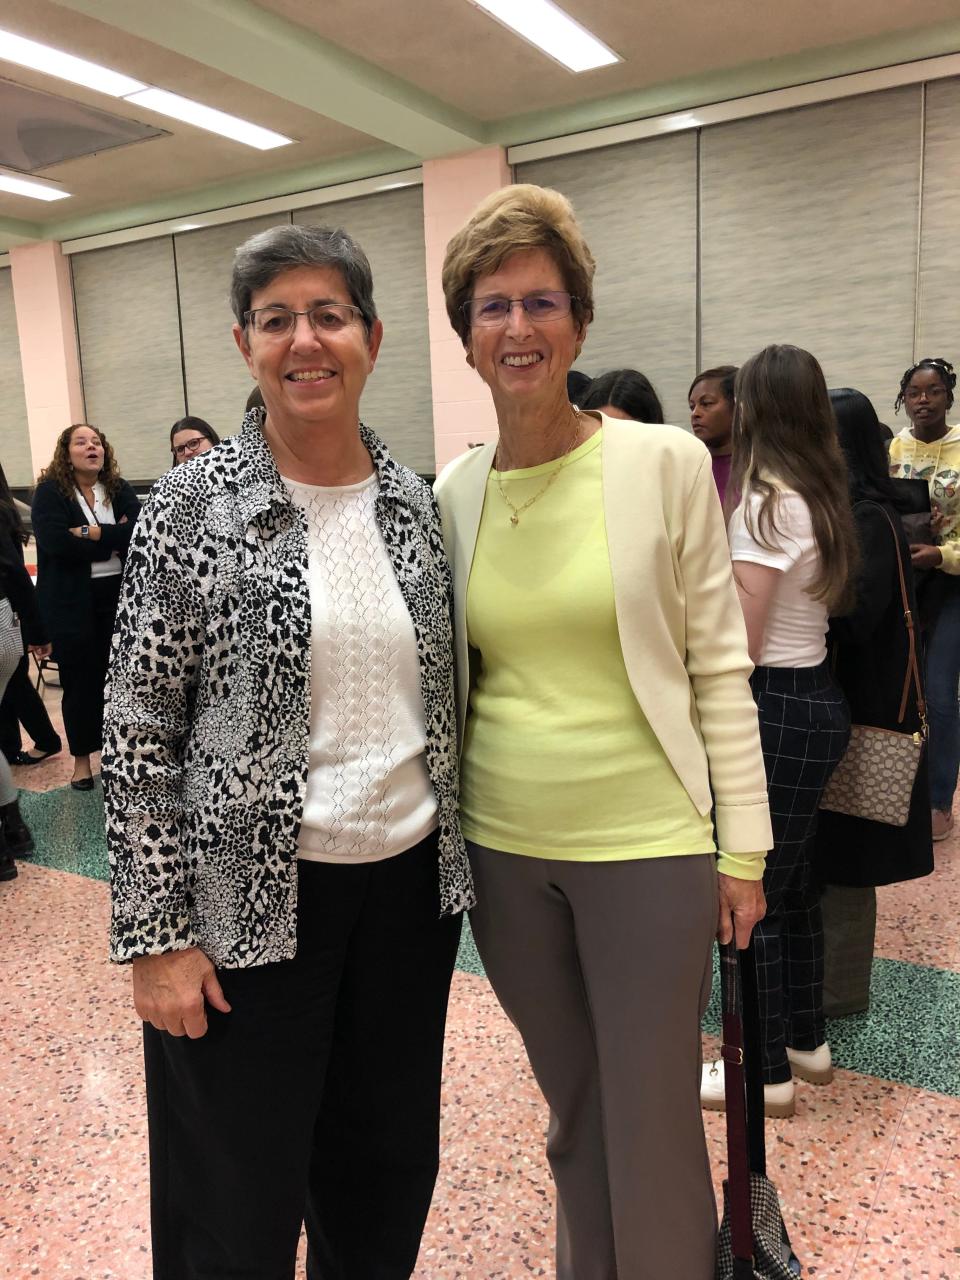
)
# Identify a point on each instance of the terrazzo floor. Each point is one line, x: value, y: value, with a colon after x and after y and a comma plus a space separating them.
x: 868, y: 1170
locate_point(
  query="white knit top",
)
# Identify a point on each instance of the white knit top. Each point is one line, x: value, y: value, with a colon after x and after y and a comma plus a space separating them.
x: 368, y: 791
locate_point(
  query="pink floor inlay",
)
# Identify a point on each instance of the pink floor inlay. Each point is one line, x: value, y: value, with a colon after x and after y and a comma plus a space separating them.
x: 867, y: 1170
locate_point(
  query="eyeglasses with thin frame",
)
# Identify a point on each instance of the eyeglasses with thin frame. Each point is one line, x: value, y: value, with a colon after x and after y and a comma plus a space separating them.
x: 542, y: 307
x: 189, y: 446
x: 280, y: 322
x: 932, y: 392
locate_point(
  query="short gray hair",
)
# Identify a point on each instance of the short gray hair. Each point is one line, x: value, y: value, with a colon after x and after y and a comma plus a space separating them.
x: 262, y: 258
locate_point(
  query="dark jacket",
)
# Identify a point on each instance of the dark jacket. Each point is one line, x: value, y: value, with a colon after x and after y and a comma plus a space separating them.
x: 869, y: 648
x: 64, y: 560
x: 16, y: 584
x: 207, y: 725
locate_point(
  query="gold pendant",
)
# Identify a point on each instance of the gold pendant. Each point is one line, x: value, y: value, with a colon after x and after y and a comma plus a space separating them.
x: 514, y: 519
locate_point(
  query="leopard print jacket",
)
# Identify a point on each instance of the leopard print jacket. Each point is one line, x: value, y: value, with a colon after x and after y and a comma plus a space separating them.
x: 208, y: 703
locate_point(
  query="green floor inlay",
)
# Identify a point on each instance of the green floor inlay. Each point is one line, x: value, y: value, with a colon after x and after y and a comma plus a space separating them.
x: 67, y: 828
x: 910, y: 1034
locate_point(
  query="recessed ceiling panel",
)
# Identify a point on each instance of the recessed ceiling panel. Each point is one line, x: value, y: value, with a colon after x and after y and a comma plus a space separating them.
x: 40, y: 129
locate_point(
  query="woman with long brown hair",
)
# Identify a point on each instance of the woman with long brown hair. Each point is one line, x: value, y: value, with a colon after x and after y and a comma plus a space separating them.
x: 83, y: 516
x: 794, y: 551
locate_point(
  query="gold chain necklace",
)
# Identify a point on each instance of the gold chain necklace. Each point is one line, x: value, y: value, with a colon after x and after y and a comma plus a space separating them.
x: 516, y: 512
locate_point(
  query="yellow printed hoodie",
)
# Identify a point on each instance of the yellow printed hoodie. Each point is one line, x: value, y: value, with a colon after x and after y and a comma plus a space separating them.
x: 937, y: 462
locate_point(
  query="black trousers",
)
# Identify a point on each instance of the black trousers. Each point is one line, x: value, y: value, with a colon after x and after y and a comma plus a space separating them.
x: 317, y: 1098
x: 804, y: 729
x: 83, y: 670
x: 21, y: 704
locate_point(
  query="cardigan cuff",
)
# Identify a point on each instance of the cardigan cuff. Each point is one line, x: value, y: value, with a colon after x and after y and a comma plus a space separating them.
x: 744, y: 828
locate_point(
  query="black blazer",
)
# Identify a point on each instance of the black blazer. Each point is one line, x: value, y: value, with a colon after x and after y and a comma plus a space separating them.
x: 869, y: 648
x: 64, y: 560
x: 16, y: 585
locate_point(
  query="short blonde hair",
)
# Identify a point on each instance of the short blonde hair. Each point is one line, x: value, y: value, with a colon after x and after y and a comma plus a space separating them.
x: 518, y: 217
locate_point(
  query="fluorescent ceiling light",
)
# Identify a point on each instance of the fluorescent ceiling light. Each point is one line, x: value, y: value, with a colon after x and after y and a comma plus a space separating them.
x: 551, y: 30
x: 171, y: 104
x: 53, y: 62
x: 31, y: 187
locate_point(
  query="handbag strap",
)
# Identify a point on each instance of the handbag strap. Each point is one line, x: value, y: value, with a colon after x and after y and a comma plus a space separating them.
x: 738, y: 1161
x: 912, y: 674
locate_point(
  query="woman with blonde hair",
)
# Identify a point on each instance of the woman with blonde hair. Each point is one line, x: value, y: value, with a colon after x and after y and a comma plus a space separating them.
x: 603, y: 688
x: 794, y: 551
x: 83, y: 516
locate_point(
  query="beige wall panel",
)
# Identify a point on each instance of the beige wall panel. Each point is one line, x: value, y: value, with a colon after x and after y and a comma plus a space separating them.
x: 397, y: 402
x: 638, y: 207
x: 939, y: 328
x: 129, y: 337
x: 14, y: 437
x: 810, y: 236
x: 218, y: 380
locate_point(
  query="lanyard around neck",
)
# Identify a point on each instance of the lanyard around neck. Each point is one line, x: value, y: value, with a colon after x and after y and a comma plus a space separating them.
x: 88, y: 510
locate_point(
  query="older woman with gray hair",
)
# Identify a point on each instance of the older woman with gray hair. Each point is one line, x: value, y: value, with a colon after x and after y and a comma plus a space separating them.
x: 281, y: 785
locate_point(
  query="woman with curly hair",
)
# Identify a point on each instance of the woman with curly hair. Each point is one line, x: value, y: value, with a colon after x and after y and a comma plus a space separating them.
x: 83, y: 516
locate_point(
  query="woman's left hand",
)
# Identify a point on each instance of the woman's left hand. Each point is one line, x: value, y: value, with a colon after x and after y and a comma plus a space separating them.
x: 742, y: 905
x: 40, y: 650
x: 93, y: 532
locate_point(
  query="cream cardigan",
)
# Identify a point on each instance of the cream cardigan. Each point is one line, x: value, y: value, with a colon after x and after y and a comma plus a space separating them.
x: 681, y: 628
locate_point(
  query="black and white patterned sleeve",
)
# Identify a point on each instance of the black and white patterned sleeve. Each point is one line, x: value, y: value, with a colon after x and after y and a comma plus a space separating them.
x: 157, y: 648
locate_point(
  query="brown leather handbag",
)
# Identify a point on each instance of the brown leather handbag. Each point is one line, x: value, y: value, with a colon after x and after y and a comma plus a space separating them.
x: 875, y: 777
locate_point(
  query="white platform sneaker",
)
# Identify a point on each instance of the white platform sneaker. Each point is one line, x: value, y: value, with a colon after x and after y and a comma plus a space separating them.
x: 779, y: 1100
x: 814, y: 1065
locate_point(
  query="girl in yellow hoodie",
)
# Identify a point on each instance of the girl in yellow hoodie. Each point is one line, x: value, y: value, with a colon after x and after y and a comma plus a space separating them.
x: 930, y: 450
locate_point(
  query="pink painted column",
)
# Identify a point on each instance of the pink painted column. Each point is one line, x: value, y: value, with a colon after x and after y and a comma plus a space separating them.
x: 452, y: 188
x: 43, y: 299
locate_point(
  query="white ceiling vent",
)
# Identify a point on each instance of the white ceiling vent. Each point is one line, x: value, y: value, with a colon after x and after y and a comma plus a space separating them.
x: 39, y: 129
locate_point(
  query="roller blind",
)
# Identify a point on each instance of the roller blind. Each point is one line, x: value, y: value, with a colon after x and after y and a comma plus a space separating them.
x: 810, y: 236
x: 397, y: 402
x: 217, y: 380
x: 939, y: 313
x: 14, y: 437
x: 637, y: 204
x: 129, y: 335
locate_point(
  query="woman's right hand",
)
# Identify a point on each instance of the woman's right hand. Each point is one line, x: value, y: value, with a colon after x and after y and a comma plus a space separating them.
x: 742, y: 905
x: 40, y: 650
x: 170, y: 991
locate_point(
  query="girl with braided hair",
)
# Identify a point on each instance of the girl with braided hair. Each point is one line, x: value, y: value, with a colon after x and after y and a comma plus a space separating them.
x: 928, y: 449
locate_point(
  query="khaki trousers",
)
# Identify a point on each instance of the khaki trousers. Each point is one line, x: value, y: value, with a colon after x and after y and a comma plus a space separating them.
x: 605, y: 970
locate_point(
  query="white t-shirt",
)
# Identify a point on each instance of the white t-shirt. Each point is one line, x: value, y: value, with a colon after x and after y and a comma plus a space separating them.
x: 795, y: 634
x: 369, y: 795
x: 102, y: 513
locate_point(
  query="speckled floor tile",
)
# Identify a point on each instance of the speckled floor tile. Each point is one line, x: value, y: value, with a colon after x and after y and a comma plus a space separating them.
x: 73, y: 1135
x: 916, y: 921
x: 913, y: 1232
x: 482, y: 1061
x: 866, y: 1169
x: 827, y: 1163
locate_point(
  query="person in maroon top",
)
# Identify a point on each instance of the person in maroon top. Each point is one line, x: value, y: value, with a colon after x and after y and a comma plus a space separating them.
x: 711, y: 418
